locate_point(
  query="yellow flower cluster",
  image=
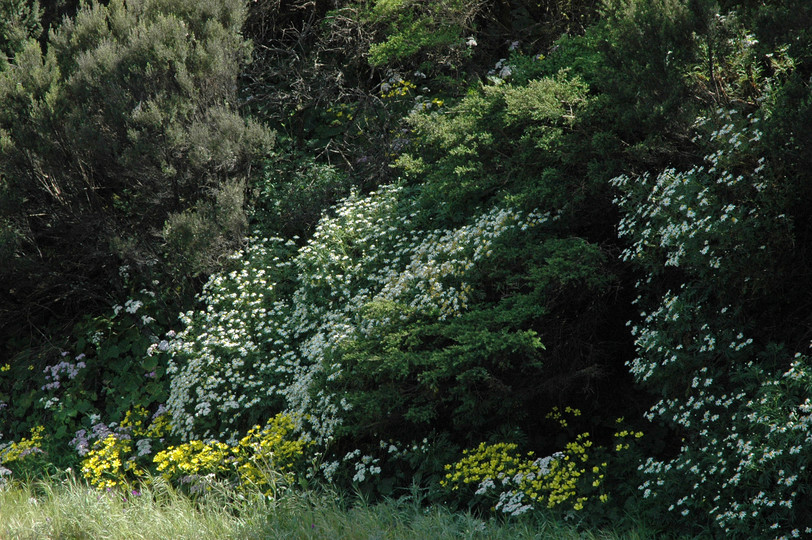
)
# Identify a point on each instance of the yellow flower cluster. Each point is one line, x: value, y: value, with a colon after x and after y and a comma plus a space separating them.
x: 343, y: 113
x: 17, y: 451
x: 109, y: 463
x: 137, y: 420
x: 195, y: 458
x: 557, y: 416
x: 484, y: 462
x: 521, y: 482
x: 262, y: 457
x: 624, y: 437
x: 549, y: 482
x: 397, y: 88
x: 263, y: 452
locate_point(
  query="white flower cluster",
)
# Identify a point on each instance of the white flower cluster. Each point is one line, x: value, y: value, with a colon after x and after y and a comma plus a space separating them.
x: 363, y: 465
x: 501, y: 72
x: 738, y: 444
x: 269, y: 329
x: 513, y: 500
x: 219, y: 366
x: 746, y: 441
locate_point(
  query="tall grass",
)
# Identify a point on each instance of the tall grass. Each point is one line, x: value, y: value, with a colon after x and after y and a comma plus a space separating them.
x: 69, y: 509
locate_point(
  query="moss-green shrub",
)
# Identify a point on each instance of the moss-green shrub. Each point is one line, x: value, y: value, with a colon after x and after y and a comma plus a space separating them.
x: 124, y: 116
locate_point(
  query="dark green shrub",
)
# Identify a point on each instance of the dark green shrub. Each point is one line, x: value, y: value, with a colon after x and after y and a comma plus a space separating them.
x: 125, y: 117
x: 19, y: 21
x: 293, y: 191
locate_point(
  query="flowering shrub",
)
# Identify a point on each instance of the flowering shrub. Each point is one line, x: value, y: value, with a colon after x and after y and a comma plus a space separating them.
x: 265, y: 451
x: 232, y: 356
x: 107, y: 466
x: 571, y: 479
x: 194, y: 462
x: 710, y: 240
x: 112, y: 363
x: 271, y: 331
x: 121, y: 453
x: 20, y: 456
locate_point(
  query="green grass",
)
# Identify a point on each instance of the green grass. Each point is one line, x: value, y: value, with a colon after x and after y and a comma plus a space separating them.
x: 68, y: 509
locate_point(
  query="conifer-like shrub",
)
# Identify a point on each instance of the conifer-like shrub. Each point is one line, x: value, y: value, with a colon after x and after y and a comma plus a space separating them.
x: 19, y: 21
x: 123, y: 117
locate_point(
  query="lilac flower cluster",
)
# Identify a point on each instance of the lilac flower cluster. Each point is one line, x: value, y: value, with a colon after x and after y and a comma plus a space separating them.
x: 83, y: 440
x: 54, y: 373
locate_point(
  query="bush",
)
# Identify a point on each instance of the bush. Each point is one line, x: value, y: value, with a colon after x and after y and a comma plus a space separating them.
x: 712, y: 241
x: 500, y: 139
x: 19, y: 21
x: 275, y: 332
x: 125, y: 117
x: 294, y: 190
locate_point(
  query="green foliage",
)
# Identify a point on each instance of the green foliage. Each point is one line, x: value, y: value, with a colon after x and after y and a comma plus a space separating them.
x: 412, y: 374
x: 19, y: 21
x: 293, y: 191
x: 450, y: 309
x: 483, y: 370
x: 497, y: 140
x: 413, y: 27
x: 645, y: 48
x: 125, y: 118
x: 634, y: 61
x: 197, y: 240
x: 520, y: 139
